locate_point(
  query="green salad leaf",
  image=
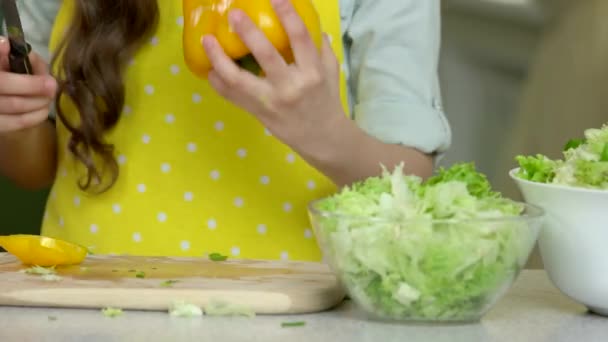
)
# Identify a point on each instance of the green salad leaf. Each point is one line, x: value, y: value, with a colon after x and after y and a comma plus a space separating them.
x: 585, y: 163
x: 411, y: 249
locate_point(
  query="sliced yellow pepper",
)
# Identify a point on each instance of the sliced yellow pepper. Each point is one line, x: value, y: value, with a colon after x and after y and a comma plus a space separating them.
x: 203, y: 17
x: 43, y: 251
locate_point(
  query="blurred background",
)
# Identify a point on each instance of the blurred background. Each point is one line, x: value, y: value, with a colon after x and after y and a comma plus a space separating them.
x: 518, y: 77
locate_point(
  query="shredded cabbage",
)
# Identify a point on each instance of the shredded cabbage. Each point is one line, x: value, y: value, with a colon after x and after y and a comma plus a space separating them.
x: 585, y: 163
x: 399, y: 263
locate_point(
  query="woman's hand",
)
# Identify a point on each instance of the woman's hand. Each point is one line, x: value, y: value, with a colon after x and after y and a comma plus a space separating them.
x: 24, y: 99
x: 299, y: 103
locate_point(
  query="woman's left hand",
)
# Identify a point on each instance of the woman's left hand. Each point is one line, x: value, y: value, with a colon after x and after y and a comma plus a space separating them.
x: 299, y: 103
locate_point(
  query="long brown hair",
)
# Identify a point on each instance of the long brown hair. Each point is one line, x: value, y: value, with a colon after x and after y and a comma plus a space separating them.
x: 90, y: 61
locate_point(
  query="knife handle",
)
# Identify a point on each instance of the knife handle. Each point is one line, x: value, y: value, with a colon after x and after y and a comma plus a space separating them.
x: 19, y: 62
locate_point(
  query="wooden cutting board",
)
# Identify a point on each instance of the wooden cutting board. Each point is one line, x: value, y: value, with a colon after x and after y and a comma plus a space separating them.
x: 266, y: 287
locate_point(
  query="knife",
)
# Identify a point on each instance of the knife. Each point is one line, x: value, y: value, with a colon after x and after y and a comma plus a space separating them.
x: 18, y: 58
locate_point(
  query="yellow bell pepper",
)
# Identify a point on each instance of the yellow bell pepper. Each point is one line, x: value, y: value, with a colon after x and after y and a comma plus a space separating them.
x: 43, y: 251
x: 203, y: 17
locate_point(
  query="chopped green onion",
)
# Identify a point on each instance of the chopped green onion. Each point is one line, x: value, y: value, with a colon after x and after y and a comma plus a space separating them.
x: 293, y: 324
x: 217, y: 257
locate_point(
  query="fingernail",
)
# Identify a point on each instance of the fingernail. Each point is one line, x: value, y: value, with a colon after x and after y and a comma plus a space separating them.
x: 207, y: 41
x: 2, y: 40
x: 277, y: 3
x: 50, y: 83
x: 235, y: 16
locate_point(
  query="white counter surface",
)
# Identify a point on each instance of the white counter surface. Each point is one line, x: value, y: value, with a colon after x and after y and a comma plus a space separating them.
x: 532, y: 311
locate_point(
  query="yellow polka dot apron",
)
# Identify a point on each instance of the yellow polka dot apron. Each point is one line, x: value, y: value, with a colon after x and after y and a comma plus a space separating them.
x: 197, y: 174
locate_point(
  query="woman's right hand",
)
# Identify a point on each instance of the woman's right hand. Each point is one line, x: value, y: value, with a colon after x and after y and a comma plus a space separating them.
x: 25, y: 100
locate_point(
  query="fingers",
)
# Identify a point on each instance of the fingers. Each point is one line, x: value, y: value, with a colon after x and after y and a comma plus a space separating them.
x: 27, y: 85
x: 4, y: 50
x: 304, y: 50
x: 262, y: 50
x: 330, y: 62
x: 11, y: 123
x: 226, y: 70
x: 21, y: 105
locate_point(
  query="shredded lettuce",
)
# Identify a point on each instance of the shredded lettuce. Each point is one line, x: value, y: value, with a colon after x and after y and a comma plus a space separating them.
x: 179, y: 308
x: 111, y: 312
x: 585, y: 163
x: 410, y: 249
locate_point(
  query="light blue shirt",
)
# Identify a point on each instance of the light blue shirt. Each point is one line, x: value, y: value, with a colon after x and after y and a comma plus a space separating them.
x: 392, y: 54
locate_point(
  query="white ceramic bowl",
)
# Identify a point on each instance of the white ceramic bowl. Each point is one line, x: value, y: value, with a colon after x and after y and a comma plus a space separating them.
x: 574, y: 239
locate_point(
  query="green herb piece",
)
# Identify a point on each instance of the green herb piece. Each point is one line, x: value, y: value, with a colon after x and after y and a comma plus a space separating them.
x: 217, y: 257
x: 140, y: 274
x: 111, y: 312
x: 293, y: 324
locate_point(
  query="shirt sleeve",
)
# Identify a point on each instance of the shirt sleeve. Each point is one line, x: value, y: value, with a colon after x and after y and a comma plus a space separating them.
x: 393, y: 53
x: 37, y: 18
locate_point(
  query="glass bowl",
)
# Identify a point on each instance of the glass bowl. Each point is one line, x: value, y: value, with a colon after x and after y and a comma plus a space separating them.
x: 426, y: 270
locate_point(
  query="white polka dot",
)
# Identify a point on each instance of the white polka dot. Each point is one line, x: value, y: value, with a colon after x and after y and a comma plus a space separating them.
x: 61, y: 222
x: 180, y: 21
x: 287, y: 207
x: 239, y: 202
x: 235, y: 251
x: 185, y: 245
x: 262, y: 229
x: 149, y: 89
x: 146, y: 139
x: 136, y: 237
x: 165, y: 167
x: 197, y: 98
x: 46, y: 216
x: 215, y: 175
x: 154, y: 40
x: 94, y: 229
x: 170, y: 118
x: 291, y: 158
x: 127, y: 110
x: 311, y: 185
x: 174, y: 69
x: 76, y: 200
x: 219, y: 126
x: 122, y: 159
x: 308, y: 234
x: 116, y: 208
x: 161, y: 217
x: 284, y: 256
x: 191, y: 147
x: 241, y: 152
x: 267, y: 132
x: 211, y: 224
x: 265, y: 180
x: 132, y: 61
x: 188, y: 196
x: 64, y: 173
x: 141, y: 188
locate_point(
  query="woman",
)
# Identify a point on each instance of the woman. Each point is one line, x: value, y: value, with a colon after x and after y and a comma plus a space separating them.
x: 174, y: 165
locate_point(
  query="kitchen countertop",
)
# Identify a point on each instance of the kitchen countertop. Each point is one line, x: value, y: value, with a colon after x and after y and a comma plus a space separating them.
x: 533, y: 310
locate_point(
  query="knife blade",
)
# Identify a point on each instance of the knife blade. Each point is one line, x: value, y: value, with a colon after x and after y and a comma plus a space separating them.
x: 18, y: 57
